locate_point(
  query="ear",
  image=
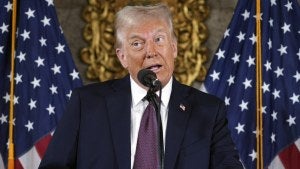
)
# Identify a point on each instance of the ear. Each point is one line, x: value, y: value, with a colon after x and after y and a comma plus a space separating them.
x: 174, y: 47
x: 122, y: 58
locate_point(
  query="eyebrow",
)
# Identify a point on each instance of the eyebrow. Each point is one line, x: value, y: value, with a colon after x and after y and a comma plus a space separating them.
x: 156, y: 32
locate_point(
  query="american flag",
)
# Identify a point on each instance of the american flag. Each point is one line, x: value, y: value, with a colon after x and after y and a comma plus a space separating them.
x: 231, y: 77
x: 44, y: 77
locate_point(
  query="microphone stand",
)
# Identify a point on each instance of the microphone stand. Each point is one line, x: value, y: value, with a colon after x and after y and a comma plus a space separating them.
x: 157, y: 102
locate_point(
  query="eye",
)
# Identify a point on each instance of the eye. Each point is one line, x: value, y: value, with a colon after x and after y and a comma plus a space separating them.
x: 137, y: 44
x: 160, y: 39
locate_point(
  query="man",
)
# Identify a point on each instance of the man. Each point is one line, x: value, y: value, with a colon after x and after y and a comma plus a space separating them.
x: 101, y: 125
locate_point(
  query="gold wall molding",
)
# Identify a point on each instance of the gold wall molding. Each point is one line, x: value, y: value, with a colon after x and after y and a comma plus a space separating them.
x: 191, y: 31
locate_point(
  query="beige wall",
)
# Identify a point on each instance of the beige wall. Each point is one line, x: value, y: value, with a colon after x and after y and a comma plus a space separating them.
x: 69, y: 14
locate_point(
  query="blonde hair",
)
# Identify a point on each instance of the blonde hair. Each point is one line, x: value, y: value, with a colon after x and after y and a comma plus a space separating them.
x: 130, y: 15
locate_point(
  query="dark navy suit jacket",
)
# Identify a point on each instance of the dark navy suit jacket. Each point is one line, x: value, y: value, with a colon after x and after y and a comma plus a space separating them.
x: 94, y: 132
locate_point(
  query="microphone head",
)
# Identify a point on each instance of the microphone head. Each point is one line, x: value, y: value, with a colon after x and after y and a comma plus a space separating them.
x: 148, y: 78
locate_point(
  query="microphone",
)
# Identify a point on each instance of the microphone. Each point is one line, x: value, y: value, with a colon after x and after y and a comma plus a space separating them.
x: 148, y: 78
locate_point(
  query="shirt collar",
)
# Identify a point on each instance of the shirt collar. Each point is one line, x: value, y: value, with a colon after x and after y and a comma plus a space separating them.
x: 138, y: 93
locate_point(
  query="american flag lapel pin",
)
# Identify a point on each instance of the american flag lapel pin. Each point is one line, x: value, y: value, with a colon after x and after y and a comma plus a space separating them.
x: 182, y: 107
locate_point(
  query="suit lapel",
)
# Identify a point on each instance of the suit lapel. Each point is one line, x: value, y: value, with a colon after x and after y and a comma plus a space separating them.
x: 118, y: 103
x: 179, y: 110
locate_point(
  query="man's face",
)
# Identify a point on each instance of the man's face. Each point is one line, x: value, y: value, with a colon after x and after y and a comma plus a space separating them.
x: 148, y: 45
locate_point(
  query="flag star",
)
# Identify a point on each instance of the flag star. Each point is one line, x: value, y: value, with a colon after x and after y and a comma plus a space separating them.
x: 295, y: 98
x: 268, y: 66
x: 236, y: 58
x: 9, y: 76
x: 264, y: 110
x: 226, y: 34
x: 220, y: 54
x: 282, y: 50
x: 286, y: 28
x: 50, y: 109
x: 240, y: 128
x: 276, y: 94
x: 279, y: 71
x: 21, y: 57
x: 291, y: 120
x: 265, y: 87
x: 50, y: 2
x: 13, y: 122
x: 298, y: 54
x: 273, y: 137
x: 230, y: 80
x: 39, y: 62
x: 246, y: 14
x: 43, y: 41
x: 53, y: 89
x: 247, y: 83
x: 215, y: 75
x: 253, y: 155
x: 8, y: 6
x: 274, y: 115
x: 3, y: 118
x: 271, y: 21
x: 29, y: 125
x: 25, y: 35
x: 241, y: 36
x: 61, y: 30
x: 56, y: 69
x: 69, y: 94
x: 289, y: 6
x: 4, y: 28
x: 35, y: 82
x: 74, y: 74
x: 259, y: 16
x: 18, y: 78
x: 250, y: 61
x: 273, y: 2
x: 16, y: 100
x: 46, y: 21
x: 253, y: 38
x: 270, y: 43
x: 32, y: 104
x: 6, y: 97
x: 30, y: 13
x: 297, y: 76
x: 60, y: 48
x: 255, y: 132
x: 1, y: 49
x: 227, y: 101
x: 243, y: 105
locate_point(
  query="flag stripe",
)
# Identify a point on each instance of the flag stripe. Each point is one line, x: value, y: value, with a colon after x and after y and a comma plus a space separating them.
x: 1, y: 162
x: 276, y: 164
x: 31, y: 159
x: 42, y: 145
x: 18, y: 164
x: 290, y: 157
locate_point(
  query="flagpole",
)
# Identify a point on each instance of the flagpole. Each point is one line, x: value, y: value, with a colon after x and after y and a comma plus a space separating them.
x: 259, y: 120
x: 11, y: 152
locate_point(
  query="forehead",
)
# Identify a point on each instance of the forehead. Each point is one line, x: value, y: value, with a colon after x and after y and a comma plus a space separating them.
x: 147, y: 27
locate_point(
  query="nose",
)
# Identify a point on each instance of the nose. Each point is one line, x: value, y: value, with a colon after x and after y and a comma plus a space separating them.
x: 150, y: 50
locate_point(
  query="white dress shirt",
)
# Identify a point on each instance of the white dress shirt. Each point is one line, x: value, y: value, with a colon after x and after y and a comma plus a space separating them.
x: 137, y: 109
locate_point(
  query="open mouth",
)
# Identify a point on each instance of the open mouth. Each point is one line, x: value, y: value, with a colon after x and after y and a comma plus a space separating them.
x: 154, y: 68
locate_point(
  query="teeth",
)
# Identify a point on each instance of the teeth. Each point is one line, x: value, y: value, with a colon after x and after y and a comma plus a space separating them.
x: 154, y: 67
